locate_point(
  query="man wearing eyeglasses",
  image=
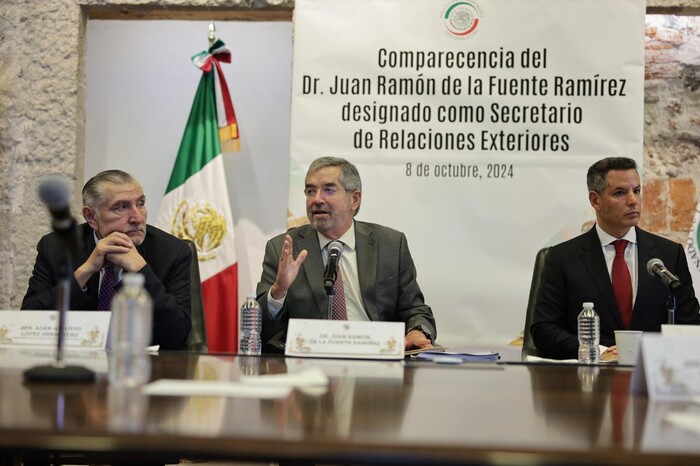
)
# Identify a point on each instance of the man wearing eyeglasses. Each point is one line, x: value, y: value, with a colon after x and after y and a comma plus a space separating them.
x: 376, y: 273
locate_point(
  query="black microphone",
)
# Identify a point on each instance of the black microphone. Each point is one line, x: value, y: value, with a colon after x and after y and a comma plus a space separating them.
x: 656, y: 267
x: 55, y: 193
x: 335, y: 249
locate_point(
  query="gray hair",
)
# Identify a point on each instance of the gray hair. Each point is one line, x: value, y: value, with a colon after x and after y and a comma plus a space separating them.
x: 596, y: 178
x: 349, y: 176
x: 93, y: 195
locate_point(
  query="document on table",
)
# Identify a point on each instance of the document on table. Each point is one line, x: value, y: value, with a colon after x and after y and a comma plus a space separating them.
x: 263, y: 386
x: 459, y: 356
x: 433, y: 349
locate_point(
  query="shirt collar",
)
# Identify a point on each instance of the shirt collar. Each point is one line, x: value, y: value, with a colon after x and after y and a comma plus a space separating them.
x: 348, y: 238
x: 606, y: 239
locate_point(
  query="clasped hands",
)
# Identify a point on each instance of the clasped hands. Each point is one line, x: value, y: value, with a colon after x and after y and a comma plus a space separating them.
x: 117, y: 248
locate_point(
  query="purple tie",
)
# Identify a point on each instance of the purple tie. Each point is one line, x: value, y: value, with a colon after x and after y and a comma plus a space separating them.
x: 107, y: 287
x: 339, y: 311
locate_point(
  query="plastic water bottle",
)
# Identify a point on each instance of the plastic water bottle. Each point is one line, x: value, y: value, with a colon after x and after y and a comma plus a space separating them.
x: 130, y: 333
x: 588, y: 335
x: 250, y: 319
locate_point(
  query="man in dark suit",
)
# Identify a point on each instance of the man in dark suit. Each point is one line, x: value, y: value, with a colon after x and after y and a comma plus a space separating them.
x: 378, y: 274
x: 583, y: 269
x: 116, y: 234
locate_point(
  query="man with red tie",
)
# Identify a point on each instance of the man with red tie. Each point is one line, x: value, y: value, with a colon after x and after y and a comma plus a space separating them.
x: 116, y: 239
x: 376, y: 277
x: 607, y: 266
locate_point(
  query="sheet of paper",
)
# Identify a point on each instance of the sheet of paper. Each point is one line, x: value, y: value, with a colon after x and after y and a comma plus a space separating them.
x: 171, y: 387
x: 435, y: 348
x: 474, y: 356
x: 685, y: 421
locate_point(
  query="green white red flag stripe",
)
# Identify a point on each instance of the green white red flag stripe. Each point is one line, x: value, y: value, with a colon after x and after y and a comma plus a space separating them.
x: 196, y: 206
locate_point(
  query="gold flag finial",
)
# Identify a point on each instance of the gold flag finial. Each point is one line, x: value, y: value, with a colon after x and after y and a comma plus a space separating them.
x: 212, y: 33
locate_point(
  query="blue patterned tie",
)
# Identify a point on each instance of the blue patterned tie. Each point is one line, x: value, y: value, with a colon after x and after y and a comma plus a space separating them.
x: 107, y: 287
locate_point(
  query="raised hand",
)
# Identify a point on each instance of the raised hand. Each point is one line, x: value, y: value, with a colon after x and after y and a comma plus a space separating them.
x: 287, y: 269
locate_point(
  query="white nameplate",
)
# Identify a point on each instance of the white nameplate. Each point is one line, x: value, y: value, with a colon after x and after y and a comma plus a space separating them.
x: 345, y: 339
x: 668, y: 367
x: 680, y: 330
x: 83, y: 329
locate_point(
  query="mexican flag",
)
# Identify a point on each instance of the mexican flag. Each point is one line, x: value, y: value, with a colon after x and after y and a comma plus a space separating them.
x: 196, y: 204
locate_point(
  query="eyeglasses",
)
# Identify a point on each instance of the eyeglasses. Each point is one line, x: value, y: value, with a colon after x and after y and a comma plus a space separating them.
x: 326, y: 191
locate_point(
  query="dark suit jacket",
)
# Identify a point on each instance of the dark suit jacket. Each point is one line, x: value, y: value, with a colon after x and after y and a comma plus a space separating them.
x: 575, y: 272
x: 167, y: 276
x: 386, y: 272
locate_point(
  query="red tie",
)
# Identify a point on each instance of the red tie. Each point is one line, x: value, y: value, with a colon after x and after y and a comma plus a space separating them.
x: 339, y: 311
x: 107, y: 287
x: 621, y: 282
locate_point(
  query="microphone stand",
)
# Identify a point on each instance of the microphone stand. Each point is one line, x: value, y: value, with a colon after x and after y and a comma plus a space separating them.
x: 671, y: 306
x: 671, y: 286
x: 58, y: 371
x: 330, y: 292
x: 64, y: 304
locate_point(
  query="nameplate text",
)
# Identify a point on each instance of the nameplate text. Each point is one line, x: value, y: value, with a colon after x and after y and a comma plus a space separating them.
x: 82, y: 329
x: 345, y: 339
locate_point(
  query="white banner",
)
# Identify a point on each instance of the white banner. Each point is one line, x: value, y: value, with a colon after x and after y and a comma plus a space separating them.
x: 472, y: 124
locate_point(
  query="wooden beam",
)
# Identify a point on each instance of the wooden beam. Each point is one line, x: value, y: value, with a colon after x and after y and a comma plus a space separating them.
x: 151, y: 12
x: 137, y: 12
x: 673, y: 10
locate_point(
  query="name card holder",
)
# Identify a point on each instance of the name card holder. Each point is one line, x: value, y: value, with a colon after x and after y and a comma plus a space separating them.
x: 83, y: 329
x: 668, y: 367
x: 318, y: 338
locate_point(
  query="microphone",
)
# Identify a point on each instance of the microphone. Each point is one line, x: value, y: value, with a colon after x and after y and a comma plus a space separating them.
x: 656, y: 267
x: 55, y: 192
x: 335, y: 249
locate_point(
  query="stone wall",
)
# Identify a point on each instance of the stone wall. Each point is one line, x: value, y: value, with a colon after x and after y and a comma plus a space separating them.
x: 42, y: 121
x: 671, y: 124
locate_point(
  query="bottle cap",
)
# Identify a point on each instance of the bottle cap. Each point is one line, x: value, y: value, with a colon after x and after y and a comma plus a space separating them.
x: 251, y: 296
x: 133, y: 279
x: 588, y: 305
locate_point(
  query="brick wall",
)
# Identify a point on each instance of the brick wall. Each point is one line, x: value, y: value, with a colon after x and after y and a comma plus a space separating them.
x: 671, y: 124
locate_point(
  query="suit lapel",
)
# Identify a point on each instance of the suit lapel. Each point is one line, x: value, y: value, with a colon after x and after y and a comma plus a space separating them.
x: 366, y: 252
x: 313, y: 268
x: 93, y: 283
x: 645, y: 252
x: 143, y: 248
x: 594, y: 261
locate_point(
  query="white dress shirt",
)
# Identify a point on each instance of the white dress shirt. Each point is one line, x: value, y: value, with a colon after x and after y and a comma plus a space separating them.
x: 606, y: 241
x: 351, y: 281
